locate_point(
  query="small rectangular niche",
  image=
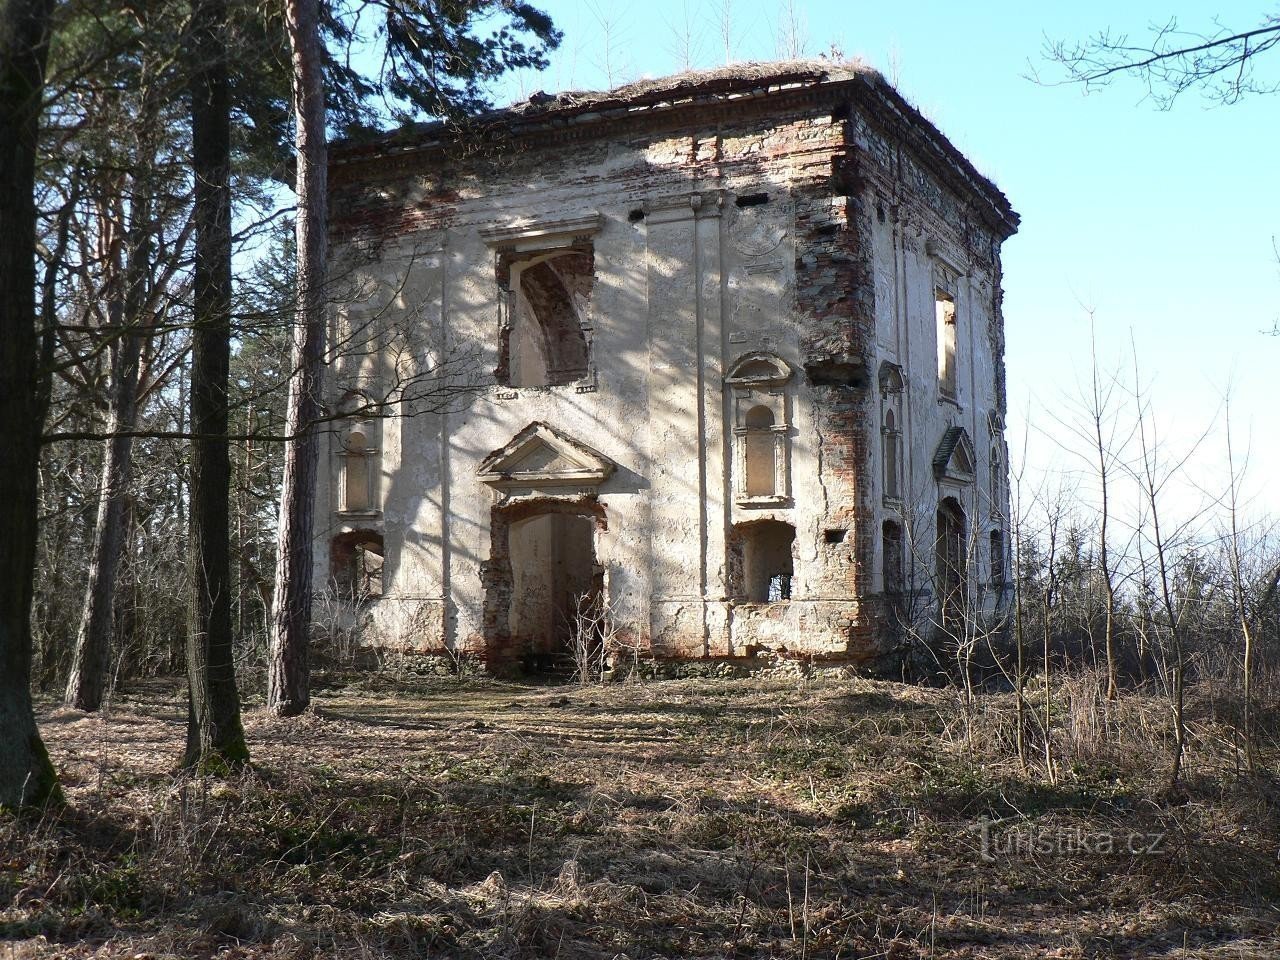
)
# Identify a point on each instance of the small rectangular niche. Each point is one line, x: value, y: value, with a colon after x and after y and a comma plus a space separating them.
x: 834, y: 535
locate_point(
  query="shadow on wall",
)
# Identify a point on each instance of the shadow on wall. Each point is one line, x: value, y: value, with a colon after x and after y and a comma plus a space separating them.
x: 540, y: 302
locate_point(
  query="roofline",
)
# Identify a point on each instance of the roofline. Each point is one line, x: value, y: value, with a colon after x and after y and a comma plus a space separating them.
x: 583, y: 116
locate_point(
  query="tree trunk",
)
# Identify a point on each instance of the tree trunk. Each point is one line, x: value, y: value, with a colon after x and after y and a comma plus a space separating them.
x: 215, y: 738
x: 288, y: 686
x: 26, y: 775
x: 128, y: 262
x: 93, y: 639
x: 1108, y: 578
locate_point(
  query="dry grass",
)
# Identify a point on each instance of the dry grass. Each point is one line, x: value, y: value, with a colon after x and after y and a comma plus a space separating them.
x: 677, y: 819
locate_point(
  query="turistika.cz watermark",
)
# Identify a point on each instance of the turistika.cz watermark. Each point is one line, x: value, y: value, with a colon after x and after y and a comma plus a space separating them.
x: 996, y: 841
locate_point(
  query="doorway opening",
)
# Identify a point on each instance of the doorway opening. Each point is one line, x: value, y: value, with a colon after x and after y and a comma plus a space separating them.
x: 542, y: 573
x: 553, y: 572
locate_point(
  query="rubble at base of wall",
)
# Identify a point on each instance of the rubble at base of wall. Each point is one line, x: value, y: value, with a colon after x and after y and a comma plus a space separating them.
x: 762, y: 666
x: 416, y: 664
x: 693, y: 669
x: 412, y: 664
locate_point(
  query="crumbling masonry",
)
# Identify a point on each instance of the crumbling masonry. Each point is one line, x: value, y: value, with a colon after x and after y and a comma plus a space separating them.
x: 725, y: 349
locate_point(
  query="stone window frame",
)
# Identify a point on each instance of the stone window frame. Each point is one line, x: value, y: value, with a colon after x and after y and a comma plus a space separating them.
x: 954, y: 461
x: 761, y: 379
x: 526, y: 242
x: 892, y: 392
x: 997, y: 473
x: 581, y: 468
x: 353, y: 407
x: 947, y: 272
x: 997, y: 560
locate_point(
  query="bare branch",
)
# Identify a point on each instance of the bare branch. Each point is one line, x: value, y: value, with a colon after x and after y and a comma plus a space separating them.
x: 1222, y: 63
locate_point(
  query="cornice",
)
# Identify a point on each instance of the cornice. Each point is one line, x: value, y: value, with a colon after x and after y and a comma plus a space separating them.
x: 506, y: 133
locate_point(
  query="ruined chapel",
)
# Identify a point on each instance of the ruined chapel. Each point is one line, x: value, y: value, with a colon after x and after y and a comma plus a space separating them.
x: 721, y: 352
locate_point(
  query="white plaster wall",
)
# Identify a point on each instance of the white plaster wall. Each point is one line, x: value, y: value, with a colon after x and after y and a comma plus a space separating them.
x: 912, y: 248
x: 679, y: 294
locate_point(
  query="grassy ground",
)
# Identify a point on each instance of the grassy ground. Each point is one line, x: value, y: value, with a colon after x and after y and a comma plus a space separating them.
x: 679, y: 819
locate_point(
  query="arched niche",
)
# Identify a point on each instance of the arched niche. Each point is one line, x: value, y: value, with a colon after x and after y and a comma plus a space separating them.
x: 761, y: 410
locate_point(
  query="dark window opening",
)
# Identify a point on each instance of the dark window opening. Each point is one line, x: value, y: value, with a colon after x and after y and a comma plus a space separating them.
x: 355, y: 565
x: 897, y: 614
x: 761, y: 565
x: 950, y: 550
x: 836, y: 373
x: 994, y: 484
x: 891, y: 559
x: 997, y: 559
x: 834, y: 536
x: 752, y: 200
x: 890, y: 443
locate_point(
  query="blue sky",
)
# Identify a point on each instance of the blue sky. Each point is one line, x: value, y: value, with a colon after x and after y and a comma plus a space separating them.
x: 1162, y: 222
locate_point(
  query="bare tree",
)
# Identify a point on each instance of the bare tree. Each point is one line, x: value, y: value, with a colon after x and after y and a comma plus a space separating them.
x: 1055, y: 514
x: 726, y: 27
x: 1018, y: 533
x: 131, y: 284
x: 1153, y: 474
x: 85, y: 680
x: 790, y: 38
x: 612, y: 62
x: 1239, y: 599
x: 1103, y: 449
x: 1106, y: 445
x: 685, y: 43
x: 288, y: 688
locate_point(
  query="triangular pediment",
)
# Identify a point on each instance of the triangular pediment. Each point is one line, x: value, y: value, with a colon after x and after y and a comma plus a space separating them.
x: 540, y: 455
x: 954, y: 460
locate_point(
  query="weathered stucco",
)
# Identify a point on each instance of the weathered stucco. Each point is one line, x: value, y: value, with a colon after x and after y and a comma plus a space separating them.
x: 771, y: 238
